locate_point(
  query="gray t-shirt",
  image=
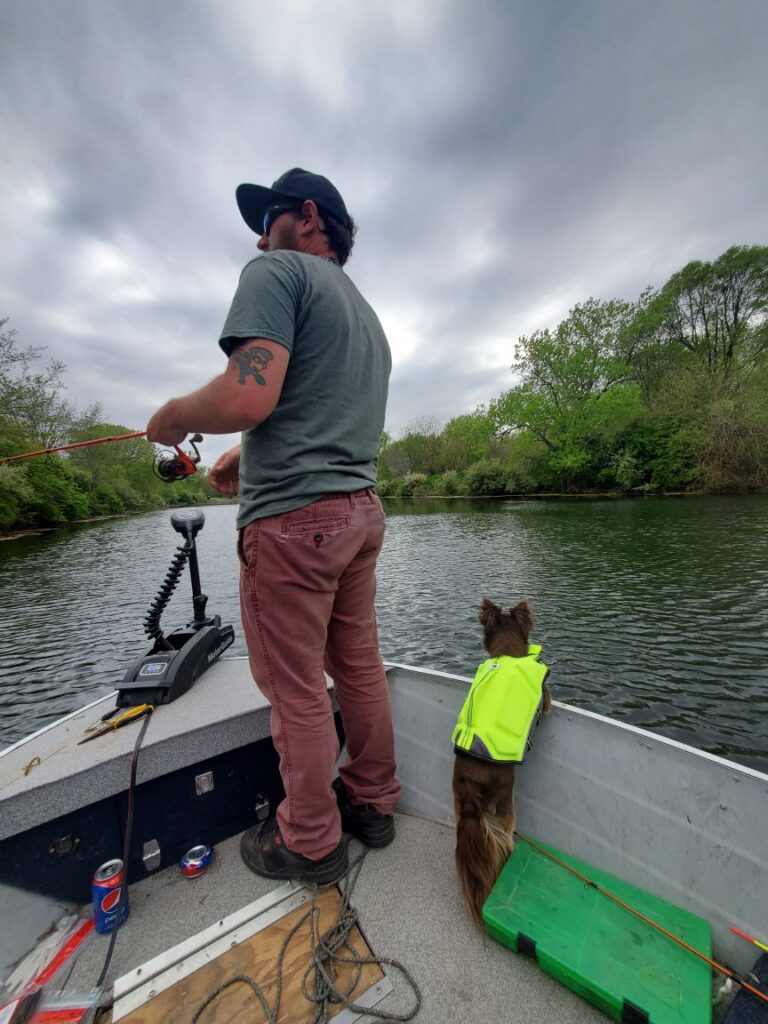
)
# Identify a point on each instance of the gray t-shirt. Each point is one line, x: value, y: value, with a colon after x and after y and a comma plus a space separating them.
x: 323, y: 436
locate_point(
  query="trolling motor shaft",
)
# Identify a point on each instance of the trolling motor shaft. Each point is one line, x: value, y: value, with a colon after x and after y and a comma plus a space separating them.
x: 175, y: 661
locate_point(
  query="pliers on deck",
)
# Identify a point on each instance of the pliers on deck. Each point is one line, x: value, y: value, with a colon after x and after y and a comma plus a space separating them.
x: 131, y: 715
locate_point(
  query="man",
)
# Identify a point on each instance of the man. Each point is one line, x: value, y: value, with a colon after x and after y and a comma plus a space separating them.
x: 306, y: 382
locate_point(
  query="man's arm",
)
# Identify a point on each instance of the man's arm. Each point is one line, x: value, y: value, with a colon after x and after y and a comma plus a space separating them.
x: 239, y: 398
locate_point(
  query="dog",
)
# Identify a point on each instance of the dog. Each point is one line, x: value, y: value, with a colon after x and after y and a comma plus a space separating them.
x: 490, y: 738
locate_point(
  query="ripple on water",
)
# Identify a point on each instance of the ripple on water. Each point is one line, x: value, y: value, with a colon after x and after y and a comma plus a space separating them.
x: 652, y: 611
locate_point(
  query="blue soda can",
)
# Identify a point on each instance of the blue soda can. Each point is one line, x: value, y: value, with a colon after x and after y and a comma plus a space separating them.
x: 195, y: 861
x: 106, y: 889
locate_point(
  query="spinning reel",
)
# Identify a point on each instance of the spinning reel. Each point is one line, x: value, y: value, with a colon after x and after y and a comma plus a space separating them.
x: 171, y: 466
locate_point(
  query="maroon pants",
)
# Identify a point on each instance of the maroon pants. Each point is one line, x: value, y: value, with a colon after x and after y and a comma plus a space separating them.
x: 307, y: 588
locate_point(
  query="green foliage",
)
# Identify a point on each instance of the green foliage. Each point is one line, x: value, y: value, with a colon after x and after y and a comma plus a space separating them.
x: 31, y: 398
x: 449, y: 483
x: 526, y: 463
x: 717, y: 312
x: 55, y: 496
x: 105, y: 501
x: 665, y: 393
x: 487, y: 478
x: 386, y: 487
x: 15, y: 492
x: 417, y: 450
x: 627, y: 469
x: 567, y: 375
x: 467, y: 439
x: 192, y: 490
x: 411, y: 485
x: 104, y: 479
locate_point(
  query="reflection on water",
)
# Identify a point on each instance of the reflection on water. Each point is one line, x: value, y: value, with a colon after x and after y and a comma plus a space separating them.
x: 653, y: 611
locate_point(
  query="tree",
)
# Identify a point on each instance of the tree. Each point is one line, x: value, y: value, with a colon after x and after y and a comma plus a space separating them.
x: 487, y: 477
x: 418, y: 450
x: 717, y: 312
x: 586, y: 355
x: 110, y: 462
x: 33, y: 409
x: 566, y: 397
x: 15, y: 492
x: 382, y: 466
x: 468, y: 439
x: 58, y: 488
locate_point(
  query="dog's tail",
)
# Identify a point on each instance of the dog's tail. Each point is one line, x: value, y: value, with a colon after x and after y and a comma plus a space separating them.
x: 482, y: 849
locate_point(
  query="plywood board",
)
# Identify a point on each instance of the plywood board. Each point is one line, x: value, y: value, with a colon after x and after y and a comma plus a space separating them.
x: 256, y: 957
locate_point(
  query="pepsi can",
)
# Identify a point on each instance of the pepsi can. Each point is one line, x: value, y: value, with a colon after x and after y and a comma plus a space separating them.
x: 195, y: 861
x: 106, y: 889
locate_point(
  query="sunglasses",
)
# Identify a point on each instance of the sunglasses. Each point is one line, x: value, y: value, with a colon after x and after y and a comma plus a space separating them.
x: 273, y: 212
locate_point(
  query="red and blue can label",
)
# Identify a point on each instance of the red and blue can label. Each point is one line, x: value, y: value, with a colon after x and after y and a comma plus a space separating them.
x: 107, y: 888
x: 195, y: 861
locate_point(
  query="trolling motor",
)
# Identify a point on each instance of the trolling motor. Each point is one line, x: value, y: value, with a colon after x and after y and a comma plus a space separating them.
x: 175, y: 661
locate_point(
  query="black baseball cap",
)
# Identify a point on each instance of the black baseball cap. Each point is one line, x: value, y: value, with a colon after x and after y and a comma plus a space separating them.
x: 294, y: 186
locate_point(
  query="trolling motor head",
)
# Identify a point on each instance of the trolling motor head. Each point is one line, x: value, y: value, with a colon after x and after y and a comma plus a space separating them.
x: 188, y: 521
x: 170, y: 467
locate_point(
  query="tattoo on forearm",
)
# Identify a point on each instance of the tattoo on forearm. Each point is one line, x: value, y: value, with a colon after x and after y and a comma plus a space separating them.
x: 250, y: 362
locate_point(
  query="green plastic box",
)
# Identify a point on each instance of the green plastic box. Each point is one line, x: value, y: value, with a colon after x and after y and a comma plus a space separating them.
x: 600, y: 950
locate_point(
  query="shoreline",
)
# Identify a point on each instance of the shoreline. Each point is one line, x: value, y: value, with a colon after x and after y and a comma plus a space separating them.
x: 34, y: 531
x: 617, y: 495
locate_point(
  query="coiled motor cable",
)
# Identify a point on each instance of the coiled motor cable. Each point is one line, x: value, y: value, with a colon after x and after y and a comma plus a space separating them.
x: 160, y: 603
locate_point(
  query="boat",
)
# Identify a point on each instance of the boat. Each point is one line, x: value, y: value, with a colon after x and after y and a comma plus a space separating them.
x: 680, y: 824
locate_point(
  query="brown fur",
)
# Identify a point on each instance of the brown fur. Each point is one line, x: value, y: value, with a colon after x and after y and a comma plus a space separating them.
x: 483, y: 791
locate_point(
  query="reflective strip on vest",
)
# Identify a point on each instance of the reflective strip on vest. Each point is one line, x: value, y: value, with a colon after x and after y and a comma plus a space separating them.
x: 503, y: 705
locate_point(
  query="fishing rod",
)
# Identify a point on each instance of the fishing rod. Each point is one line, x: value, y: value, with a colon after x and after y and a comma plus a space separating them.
x: 670, y: 935
x: 167, y: 466
x: 77, y: 444
x: 750, y: 938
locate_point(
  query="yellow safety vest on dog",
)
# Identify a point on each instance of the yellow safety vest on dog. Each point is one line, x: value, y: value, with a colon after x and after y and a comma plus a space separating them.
x: 503, y: 705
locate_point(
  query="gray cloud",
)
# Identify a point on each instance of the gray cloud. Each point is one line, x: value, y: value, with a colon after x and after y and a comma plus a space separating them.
x: 504, y: 161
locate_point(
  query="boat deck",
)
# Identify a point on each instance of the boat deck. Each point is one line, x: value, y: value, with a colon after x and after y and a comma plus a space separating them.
x: 409, y: 909
x: 597, y: 789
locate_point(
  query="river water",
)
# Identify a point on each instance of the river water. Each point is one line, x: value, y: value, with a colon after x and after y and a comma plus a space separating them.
x: 653, y: 611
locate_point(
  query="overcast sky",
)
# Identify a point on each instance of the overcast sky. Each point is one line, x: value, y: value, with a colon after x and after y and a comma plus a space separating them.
x: 504, y: 160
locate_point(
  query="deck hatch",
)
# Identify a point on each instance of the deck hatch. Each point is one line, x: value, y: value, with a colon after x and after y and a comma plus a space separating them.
x: 168, y: 988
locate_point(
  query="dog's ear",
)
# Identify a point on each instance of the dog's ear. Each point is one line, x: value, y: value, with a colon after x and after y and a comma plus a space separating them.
x: 489, y: 612
x: 521, y: 613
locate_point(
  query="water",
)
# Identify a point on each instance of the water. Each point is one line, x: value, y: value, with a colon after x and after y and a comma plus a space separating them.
x: 651, y: 611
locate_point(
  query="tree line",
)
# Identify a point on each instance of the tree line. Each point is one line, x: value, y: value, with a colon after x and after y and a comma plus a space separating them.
x: 664, y: 393
x: 82, y: 484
